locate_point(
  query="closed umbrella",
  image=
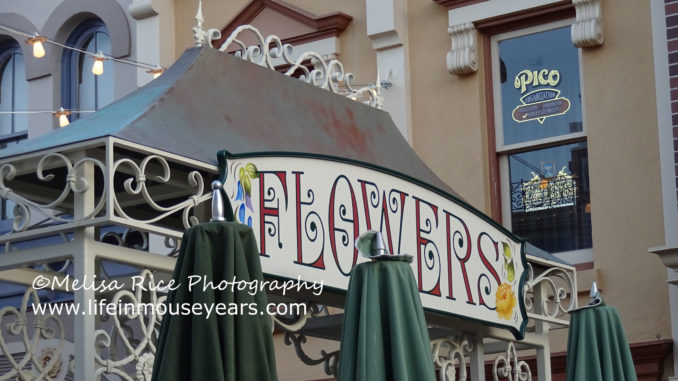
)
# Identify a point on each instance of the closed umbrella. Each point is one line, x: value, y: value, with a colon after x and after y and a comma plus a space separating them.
x: 597, y: 349
x: 384, y: 335
x: 234, y: 343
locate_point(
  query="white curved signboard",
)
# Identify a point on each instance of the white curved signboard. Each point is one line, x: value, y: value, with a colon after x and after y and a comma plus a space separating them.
x: 307, y: 211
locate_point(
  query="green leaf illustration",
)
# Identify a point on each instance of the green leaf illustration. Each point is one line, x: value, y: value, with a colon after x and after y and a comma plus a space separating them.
x: 507, y: 250
x: 510, y: 270
x: 251, y: 170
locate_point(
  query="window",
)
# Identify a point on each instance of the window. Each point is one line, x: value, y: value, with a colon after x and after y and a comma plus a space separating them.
x: 13, y: 97
x: 541, y: 140
x: 82, y: 90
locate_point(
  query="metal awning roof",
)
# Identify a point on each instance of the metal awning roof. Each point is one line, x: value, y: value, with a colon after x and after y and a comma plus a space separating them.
x: 209, y: 101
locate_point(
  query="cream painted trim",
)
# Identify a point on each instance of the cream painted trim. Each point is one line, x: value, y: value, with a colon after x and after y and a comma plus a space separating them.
x: 664, y: 123
x: 492, y: 8
x: 586, y: 30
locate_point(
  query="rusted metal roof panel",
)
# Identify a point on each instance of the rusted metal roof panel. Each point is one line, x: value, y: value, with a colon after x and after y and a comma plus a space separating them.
x: 209, y: 101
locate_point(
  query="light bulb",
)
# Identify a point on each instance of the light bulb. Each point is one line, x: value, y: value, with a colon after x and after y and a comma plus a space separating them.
x: 98, y: 66
x: 38, y: 48
x: 156, y: 72
x: 63, y: 117
x: 63, y: 120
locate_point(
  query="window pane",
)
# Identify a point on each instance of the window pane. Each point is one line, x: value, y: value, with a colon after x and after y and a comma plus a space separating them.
x: 86, y: 87
x: 20, y: 93
x: 550, y: 203
x: 6, y: 68
x: 104, y: 87
x: 540, y: 93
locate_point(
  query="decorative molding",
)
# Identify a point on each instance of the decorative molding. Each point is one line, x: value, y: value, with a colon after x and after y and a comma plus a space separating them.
x: 329, y: 25
x: 668, y: 255
x: 141, y: 9
x: 451, y: 4
x: 525, y: 18
x: 587, y: 30
x: 463, y: 58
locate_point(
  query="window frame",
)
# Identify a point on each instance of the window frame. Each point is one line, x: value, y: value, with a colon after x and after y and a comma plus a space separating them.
x: 503, y: 151
x: 70, y: 64
x: 8, y: 51
x: 12, y: 48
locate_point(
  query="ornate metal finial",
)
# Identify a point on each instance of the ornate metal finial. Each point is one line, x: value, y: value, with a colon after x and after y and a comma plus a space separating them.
x: 199, y: 33
x: 371, y: 245
x: 217, y: 202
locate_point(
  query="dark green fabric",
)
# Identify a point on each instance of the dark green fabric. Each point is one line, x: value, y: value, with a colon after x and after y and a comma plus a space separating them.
x: 597, y: 348
x: 385, y: 335
x: 238, y: 347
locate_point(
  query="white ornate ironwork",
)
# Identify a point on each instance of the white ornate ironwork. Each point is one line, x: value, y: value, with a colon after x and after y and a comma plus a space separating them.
x: 30, y: 330
x: 137, y: 186
x: 587, y: 30
x: 326, y: 72
x: 450, y: 353
x: 59, y: 215
x: 462, y: 59
x: 558, y: 293
x: 508, y: 366
x: 121, y: 348
x: 75, y: 183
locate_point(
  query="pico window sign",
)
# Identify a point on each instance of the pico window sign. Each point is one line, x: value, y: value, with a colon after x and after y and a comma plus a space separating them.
x: 307, y: 212
x: 542, y: 102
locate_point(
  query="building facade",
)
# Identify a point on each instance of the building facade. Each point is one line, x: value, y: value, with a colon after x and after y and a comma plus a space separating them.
x: 554, y: 117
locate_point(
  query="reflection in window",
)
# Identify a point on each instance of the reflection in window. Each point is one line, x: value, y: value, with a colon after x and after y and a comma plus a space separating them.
x: 550, y: 197
x: 540, y: 93
x: 13, y: 94
x: 82, y: 90
x: 545, y: 166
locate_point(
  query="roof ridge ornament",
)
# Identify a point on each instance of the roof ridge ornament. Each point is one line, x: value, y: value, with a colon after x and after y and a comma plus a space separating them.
x: 201, y: 36
x: 326, y: 72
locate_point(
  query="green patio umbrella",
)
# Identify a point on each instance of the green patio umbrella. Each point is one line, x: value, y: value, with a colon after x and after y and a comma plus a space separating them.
x: 597, y: 349
x: 384, y: 336
x: 234, y: 345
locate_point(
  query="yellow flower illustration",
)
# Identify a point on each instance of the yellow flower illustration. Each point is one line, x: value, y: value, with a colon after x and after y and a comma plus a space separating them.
x: 506, y: 301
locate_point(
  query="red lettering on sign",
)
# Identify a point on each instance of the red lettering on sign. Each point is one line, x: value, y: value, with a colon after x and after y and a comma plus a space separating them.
x: 466, y: 239
x: 423, y: 242
x: 320, y: 261
x: 342, y: 216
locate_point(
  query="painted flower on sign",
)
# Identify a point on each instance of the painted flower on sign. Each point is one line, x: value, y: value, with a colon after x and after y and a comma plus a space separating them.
x: 245, y: 176
x: 506, y: 301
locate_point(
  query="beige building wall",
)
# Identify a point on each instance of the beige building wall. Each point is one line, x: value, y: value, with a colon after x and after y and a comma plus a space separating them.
x: 449, y: 132
x: 627, y: 217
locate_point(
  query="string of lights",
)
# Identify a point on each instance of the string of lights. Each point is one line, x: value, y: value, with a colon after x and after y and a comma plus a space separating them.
x: 99, y: 57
